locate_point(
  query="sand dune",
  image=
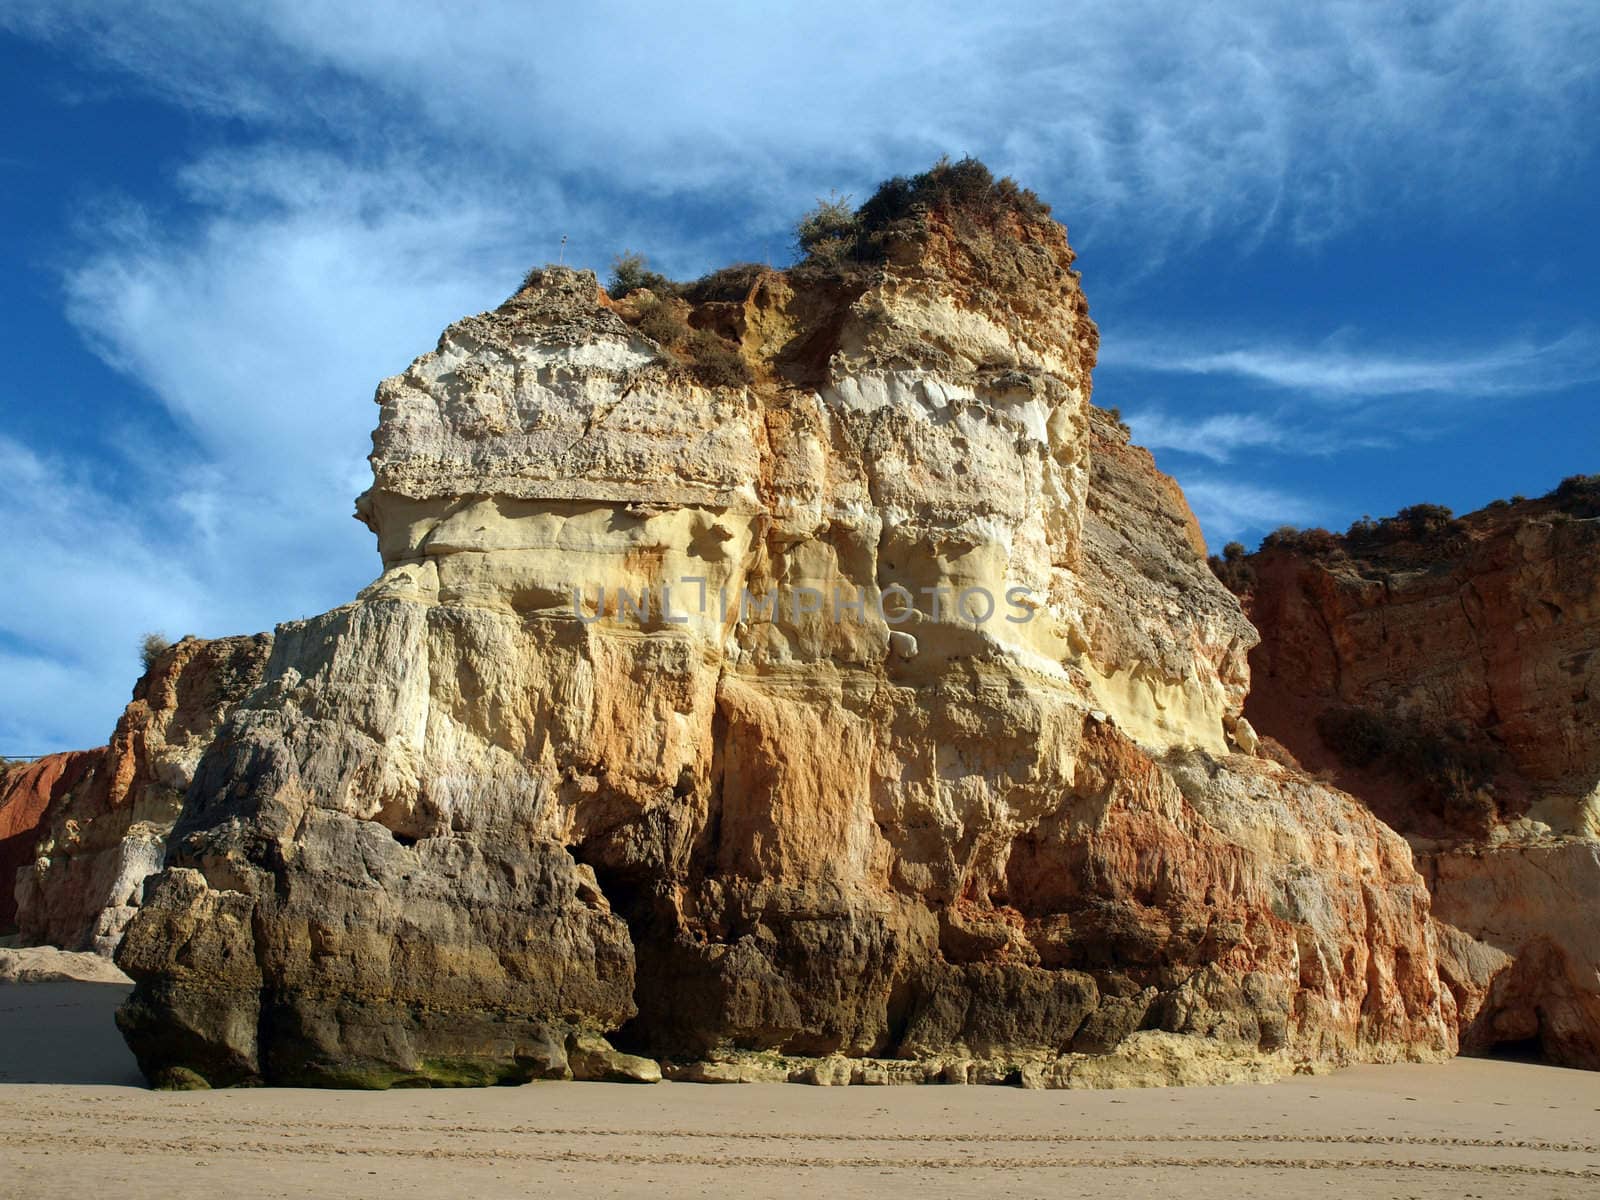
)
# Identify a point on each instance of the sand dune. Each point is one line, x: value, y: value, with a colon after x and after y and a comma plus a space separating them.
x: 73, y: 1120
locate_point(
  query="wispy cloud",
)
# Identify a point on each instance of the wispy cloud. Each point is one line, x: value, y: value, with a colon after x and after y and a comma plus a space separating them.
x: 89, y: 576
x: 1160, y: 122
x: 1340, y: 372
x: 1227, y: 508
x: 262, y: 333
x: 401, y: 163
x: 1217, y: 437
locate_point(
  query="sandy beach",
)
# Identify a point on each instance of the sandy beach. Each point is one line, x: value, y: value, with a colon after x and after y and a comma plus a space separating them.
x: 74, y: 1120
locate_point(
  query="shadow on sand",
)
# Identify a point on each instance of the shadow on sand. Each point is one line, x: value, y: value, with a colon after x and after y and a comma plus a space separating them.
x: 64, y: 1033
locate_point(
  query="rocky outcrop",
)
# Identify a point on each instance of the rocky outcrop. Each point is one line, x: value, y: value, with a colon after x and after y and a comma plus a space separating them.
x: 104, y: 829
x: 27, y: 790
x: 1447, y: 671
x: 801, y: 675
x: 46, y: 964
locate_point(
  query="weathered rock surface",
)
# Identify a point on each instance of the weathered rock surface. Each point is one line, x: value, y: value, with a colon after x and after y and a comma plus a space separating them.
x: 1448, y: 672
x: 104, y: 829
x: 495, y: 807
x: 46, y: 964
x: 592, y: 1057
x: 27, y: 791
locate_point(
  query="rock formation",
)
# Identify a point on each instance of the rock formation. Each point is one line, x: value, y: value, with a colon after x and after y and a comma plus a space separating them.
x: 46, y: 964
x: 1447, y: 671
x: 103, y: 829
x: 676, y: 716
x: 27, y: 790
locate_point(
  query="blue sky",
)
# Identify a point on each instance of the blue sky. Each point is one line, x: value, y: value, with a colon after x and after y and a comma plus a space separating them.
x: 1342, y: 256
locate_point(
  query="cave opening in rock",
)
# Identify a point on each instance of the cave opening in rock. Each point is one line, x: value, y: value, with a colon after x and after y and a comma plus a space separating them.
x: 1523, y: 1050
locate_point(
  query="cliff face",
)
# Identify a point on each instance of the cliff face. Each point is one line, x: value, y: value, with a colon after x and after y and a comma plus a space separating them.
x: 1448, y: 672
x: 103, y: 829
x: 500, y: 804
x: 26, y: 792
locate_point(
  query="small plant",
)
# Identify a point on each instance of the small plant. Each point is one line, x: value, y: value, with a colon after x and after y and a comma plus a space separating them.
x: 728, y: 283
x: 630, y: 272
x: 1578, y: 495
x: 1420, y: 520
x: 1424, y: 523
x: 1315, y: 542
x: 964, y: 192
x: 660, y: 321
x: 965, y: 187
x: 715, y: 362
x: 1233, y: 569
x: 828, y: 233
x: 151, y: 647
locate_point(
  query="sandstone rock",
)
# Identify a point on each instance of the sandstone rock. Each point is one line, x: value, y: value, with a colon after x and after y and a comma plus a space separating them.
x: 1157, y: 1059
x: 104, y: 831
x: 27, y: 790
x: 1448, y: 673
x: 589, y: 755
x: 592, y: 1057
x: 197, y: 1026
x: 833, y: 1071
x: 1537, y: 978
x: 739, y: 1070
x: 1481, y: 635
x: 46, y: 964
x: 1242, y: 734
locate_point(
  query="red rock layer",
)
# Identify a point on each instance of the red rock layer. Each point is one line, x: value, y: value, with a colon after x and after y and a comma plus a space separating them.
x: 26, y: 791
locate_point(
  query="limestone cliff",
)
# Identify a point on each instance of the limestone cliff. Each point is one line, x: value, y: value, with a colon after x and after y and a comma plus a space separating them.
x: 800, y: 668
x: 103, y: 828
x: 1447, y: 671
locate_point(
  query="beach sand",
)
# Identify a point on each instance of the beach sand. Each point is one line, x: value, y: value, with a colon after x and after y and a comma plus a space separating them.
x: 75, y: 1122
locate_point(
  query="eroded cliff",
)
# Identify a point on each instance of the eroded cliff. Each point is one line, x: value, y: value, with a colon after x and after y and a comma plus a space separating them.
x: 1447, y: 671
x: 101, y: 826
x: 676, y: 715
x: 27, y: 790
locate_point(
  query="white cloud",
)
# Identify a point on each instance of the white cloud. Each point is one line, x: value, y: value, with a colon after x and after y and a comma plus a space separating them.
x: 1217, y: 437
x: 403, y: 162
x: 88, y: 578
x: 1161, y: 122
x: 1228, y: 509
x: 1339, y: 372
x: 262, y: 333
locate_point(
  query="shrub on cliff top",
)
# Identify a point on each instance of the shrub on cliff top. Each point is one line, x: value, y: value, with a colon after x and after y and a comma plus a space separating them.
x: 727, y: 283
x: 965, y: 187
x: 151, y: 647
x: 1419, y: 522
x: 1579, y: 495
x: 1236, y: 574
x: 829, y: 232
x: 630, y: 272
x: 965, y: 190
x: 1422, y: 519
x: 1315, y: 542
